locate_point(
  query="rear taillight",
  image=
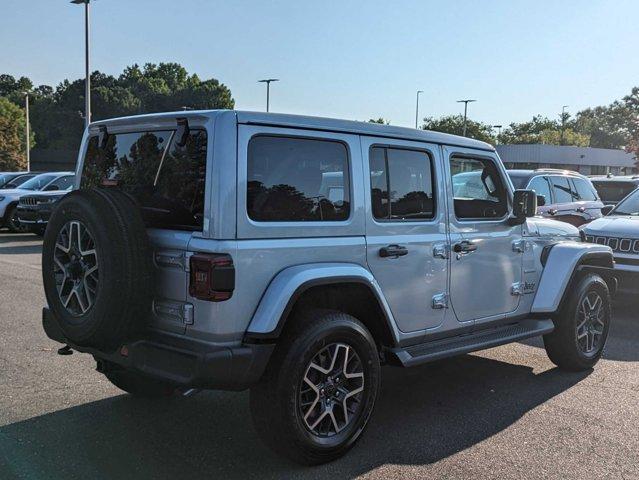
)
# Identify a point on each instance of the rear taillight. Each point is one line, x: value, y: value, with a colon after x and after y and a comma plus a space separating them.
x: 212, y: 276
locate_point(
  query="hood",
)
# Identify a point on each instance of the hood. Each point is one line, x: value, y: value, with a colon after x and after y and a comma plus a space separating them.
x: 51, y: 193
x: 614, y: 226
x: 548, y: 227
x: 16, y: 192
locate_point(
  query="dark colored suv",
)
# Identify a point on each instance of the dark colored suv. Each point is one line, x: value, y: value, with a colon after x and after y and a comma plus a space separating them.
x: 613, y: 190
x: 568, y: 196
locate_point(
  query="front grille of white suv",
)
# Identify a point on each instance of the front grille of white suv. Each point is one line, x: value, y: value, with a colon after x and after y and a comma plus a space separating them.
x: 30, y: 201
x: 618, y: 244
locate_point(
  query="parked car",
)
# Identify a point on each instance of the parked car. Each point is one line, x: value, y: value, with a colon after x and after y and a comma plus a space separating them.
x: 612, y: 189
x: 33, y: 211
x: 39, y: 183
x: 620, y: 231
x: 10, y: 180
x: 264, y: 260
x: 568, y: 196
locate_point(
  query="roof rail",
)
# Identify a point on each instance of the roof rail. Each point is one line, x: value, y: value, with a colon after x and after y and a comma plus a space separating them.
x: 561, y: 170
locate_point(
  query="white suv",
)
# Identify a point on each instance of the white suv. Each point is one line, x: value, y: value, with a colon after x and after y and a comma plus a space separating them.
x: 295, y: 255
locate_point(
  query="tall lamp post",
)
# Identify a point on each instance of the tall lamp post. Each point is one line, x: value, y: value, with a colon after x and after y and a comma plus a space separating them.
x: 563, y: 123
x: 498, y: 127
x: 268, y: 89
x: 87, y: 74
x: 27, y: 130
x: 465, y: 102
x: 417, y: 107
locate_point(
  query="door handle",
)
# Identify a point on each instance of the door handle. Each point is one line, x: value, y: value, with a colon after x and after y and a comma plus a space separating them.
x: 393, y: 251
x: 581, y: 209
x: 552, y: 211
x: 465, y: 246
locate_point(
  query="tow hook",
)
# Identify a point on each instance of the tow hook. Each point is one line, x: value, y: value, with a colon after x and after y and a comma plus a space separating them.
x: 66, y: 350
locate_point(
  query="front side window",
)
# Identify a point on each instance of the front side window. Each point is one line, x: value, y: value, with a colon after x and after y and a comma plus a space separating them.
x: 401, y: 184
x: 478, y: 190
x: 297, y: 180
x: 166, y: 179
x: 561, y: 188
x: 583, y: 191
x: 541, y: 186
x: 62, y: 183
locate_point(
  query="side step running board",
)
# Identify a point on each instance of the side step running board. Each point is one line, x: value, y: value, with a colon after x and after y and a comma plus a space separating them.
x: 472, y: 342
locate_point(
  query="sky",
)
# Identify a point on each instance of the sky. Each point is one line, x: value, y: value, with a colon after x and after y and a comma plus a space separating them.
x: 349, y: 59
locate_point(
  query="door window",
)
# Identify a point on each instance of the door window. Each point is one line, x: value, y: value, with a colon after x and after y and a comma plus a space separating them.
x: 562, y: 190
x: 583, y: 191
x: 401, y: 184
x: 541, y: 186
x: 63, y: 183
x: 297, y: 179
x: 478, y: 189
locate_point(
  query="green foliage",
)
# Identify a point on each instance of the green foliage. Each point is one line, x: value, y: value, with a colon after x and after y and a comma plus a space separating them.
x: 380, y: 120
x: 56, y: 114
x: 546, y: 131
x: 454, y: 124
x: 12, y: 137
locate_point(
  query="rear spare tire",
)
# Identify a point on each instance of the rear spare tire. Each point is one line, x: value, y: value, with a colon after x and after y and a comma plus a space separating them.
x: 96, y: 268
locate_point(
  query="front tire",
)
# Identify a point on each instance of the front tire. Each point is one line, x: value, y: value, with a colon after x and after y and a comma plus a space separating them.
x: 581, y: 328
x: 319, y: 389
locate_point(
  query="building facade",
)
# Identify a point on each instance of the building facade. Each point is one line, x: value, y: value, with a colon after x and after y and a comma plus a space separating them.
x: 585, y: 160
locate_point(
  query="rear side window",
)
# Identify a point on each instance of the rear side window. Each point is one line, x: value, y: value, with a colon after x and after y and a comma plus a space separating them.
x: 583, y: 191
x: 561, y: 188
x: 401, y: 184
x: 166, y: 179
x: 297, y: 179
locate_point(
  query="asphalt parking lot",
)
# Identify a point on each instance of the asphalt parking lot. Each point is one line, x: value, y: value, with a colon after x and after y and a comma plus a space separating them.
x: 503, y: 413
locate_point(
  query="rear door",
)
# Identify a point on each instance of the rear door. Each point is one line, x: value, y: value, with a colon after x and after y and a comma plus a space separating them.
x: 166, y: 178
x: 406, y: 238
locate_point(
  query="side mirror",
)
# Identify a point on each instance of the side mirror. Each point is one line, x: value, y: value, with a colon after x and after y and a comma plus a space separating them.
x: 541, y: 200
x: 51, y: 188
x: 524, y: 206
x: 607, y: 209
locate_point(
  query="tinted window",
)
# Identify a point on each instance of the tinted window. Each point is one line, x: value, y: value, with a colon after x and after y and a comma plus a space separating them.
x: 478, y: 190
x: 583, y: 191
x: 167, y: 180
x: 613, y: 191
x: 541, y: 187
x: 562, y: 190
x: 297, y: 179
x: 401, y: 184
x: 63, y: 183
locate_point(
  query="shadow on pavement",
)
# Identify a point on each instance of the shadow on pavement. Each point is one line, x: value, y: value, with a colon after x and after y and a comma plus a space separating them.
x: 8, y: 244
x: 423, y: 415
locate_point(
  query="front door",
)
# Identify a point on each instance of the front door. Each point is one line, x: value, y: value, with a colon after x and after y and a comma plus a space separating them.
x: 486, y: 262
x: 406, y: 237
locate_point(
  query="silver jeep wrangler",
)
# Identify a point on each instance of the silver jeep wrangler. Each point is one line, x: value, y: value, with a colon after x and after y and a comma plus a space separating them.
x: 296, y: 255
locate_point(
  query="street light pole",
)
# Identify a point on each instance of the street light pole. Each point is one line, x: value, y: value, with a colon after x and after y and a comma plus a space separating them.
x: 563, y: 123
x: 498, y: 127
x: 465, y: 102
x: 268, y: 89
x: 87, y: 64
x: 417, y: 108
x: 27, y: 130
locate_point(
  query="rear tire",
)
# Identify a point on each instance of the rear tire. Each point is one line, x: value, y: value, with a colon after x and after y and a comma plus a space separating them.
x: 309, y: 416
x: 140, y: 385
x: 581, y: 328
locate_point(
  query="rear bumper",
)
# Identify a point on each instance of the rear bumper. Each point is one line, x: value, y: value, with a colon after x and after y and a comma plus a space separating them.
x: 182, y: 361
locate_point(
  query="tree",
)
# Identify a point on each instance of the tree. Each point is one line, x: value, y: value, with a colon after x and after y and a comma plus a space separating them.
x: 454, y: 124
x: 56, y: 114
x: 380, y: 120
x: 12, y: 137
x: 545, y: 131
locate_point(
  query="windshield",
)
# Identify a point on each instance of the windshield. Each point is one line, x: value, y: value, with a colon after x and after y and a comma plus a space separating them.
x: 38, y: 182
x: 629, y: 206
x: 613, y: 191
